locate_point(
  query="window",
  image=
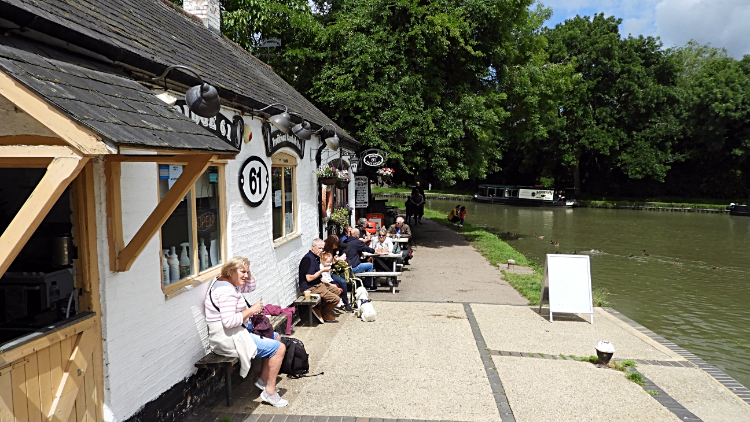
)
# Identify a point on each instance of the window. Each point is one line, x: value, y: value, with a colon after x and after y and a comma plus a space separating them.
x: 192, y: 236
x: 283, y: 187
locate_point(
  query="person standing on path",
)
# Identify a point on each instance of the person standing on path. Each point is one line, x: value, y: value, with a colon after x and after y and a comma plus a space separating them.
x: 417, y: 206
x: 462, y: 215
x: 310, y: 279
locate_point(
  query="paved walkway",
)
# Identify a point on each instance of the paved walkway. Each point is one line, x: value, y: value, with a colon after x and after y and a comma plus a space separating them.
x: 457, y: 343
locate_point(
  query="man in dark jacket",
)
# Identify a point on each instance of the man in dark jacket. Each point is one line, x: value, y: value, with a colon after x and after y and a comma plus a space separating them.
x: 355, y: 248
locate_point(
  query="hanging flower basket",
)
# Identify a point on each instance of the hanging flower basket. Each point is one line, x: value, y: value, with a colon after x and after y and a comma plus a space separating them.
x: 328, y: 181
x: 342, y: 184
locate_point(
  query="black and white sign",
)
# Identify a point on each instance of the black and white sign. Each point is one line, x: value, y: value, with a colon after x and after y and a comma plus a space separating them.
x: 230, y: 131
x: 276, y: 139
x: 254, y: 181
x: 373, y: 157
x: 361, y: 197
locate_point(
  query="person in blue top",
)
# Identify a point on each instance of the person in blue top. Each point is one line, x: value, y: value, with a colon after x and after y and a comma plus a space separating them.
x: 355, y: 247
x: 310, y: 279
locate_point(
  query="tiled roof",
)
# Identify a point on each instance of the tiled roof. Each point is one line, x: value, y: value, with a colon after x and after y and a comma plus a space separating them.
x: 102, y: 98
x: 150, y: 35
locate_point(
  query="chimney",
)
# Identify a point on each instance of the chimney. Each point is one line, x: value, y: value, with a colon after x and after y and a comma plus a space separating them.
x: 207, y: 10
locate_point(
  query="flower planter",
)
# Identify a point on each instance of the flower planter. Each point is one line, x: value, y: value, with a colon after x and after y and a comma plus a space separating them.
x: 342, y: 184
x: 329, y: 181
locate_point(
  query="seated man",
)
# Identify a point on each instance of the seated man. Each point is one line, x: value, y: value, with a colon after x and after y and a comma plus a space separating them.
x: 399, y: 229
x: 363, y: 233
x: 310, y: 279
x: 356, y: 247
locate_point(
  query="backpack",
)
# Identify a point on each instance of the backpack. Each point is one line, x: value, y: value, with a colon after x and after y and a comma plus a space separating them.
x: 295, y: 363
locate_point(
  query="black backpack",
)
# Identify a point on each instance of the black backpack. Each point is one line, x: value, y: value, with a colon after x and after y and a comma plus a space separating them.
x: 295, y: 363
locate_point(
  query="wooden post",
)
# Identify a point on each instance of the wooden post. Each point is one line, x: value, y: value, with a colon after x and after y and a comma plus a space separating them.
x: 197, y: 164
x: 60, y: 173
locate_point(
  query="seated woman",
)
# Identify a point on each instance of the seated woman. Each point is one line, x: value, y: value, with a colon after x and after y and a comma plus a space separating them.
x: 383, y: 245
x: 337, y: 250
x: 227, y: 315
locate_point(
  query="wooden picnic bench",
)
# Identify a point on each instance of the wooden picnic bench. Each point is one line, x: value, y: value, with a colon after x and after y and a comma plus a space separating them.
x: 214, y: 361
x: 310, y: 304
x: 393, y: 275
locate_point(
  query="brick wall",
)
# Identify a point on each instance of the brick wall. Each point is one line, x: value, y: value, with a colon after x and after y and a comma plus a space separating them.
x: 207, y: 10
x: 150, y: 342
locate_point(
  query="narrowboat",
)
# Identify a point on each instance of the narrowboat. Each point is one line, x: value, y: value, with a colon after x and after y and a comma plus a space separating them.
x: 529, y: 196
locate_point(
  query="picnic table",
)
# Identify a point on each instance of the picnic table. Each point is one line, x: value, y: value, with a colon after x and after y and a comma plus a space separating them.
x: 387, y: 260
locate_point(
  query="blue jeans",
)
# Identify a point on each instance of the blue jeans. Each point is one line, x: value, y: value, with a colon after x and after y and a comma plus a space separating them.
x: 364, y: 267
x: 341, y: 284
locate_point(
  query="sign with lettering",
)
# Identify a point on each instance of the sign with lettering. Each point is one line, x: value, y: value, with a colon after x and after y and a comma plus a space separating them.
x: 361, y: 194
x: 206, y: 221
x: 373, y: 157
x: 230, y: 131
x: 254, y: 181
x: 276, y: 139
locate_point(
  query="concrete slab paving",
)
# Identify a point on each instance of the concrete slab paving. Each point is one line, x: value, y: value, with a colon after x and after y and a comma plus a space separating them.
x: 523, y: 329
x: 698, y: 393
x: 417, y: 361
x: 541, y: 390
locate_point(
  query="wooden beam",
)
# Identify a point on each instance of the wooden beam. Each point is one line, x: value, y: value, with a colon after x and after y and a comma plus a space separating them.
x: 55, y: 120
x: 31, y: 140
x: 59, y: 174
x: 150, y: 158
x: 197, y: 164
x: 36, y: 151
x: 28, y: 163
x: 72, y: 379
x: 112, y: 173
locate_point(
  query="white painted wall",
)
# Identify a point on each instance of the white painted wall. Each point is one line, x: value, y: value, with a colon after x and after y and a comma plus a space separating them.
x: 150, y: 342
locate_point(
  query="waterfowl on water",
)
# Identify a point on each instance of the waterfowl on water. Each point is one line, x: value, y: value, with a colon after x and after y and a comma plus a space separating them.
x: 538, y: 237
x: 715, y: 268
x: 646, y: 253
x: 631, y: 256
x: 555, y: 243
x: 596, y: 251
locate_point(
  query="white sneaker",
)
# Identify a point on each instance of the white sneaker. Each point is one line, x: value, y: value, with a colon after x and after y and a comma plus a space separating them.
x: 260, y: 384
x: 275, y: 400
x: 341, y: 304
x: 460, y: 225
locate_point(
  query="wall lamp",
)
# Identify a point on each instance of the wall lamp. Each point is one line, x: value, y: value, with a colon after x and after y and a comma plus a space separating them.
x: 202, y: 99
x: 282, y: 121
x: 304, y: 131
x: 332, y: 141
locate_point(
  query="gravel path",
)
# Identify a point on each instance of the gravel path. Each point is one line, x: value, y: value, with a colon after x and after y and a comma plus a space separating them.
x: 541, y: 390
x: 523, y: 329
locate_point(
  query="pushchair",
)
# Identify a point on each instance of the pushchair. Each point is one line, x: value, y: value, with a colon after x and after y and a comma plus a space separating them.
x: 344, y: 270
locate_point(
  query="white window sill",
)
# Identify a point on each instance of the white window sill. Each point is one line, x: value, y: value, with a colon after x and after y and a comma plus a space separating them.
x: 286, y: 239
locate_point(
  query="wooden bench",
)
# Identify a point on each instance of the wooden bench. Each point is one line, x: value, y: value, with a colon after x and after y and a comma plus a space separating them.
x: 310, y: 304
x: 214, y: 361
x: 389, y: 274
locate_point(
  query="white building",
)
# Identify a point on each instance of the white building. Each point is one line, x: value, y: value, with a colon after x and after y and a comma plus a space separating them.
x: 91, y: 159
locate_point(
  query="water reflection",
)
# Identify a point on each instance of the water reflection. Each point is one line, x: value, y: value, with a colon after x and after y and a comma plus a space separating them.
x: 673, y: 290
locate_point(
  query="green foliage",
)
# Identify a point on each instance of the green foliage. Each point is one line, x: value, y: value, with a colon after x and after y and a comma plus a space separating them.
x: 636, y: 378
x: 652, y: 392
x: 617, y: 113
x: 600, y: 296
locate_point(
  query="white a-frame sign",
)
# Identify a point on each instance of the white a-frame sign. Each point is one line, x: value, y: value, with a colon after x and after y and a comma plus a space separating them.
x: 566, y: 286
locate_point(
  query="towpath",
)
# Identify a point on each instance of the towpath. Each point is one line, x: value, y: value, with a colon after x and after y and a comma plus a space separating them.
x: 457, y: 343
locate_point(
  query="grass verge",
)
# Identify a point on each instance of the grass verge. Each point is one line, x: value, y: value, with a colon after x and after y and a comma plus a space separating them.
x: 499, y: 252
x: 427, y: 193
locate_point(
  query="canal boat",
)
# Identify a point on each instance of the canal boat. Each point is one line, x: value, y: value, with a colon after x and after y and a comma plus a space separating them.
x: 735, y: 209
x: 529, y: 196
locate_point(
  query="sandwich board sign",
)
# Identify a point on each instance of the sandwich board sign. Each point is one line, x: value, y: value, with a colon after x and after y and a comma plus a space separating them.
x: 566, y: 286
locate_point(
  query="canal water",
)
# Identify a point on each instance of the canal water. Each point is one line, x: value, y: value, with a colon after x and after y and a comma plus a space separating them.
x: 674, y: 291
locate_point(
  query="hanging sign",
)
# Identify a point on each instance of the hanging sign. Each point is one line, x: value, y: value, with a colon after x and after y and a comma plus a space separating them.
x: 566, y: 285
x: 254, y: 181
x: 230, y: 131
x: 361, y: 197
x: 276, y: 139
x: 373, y: 157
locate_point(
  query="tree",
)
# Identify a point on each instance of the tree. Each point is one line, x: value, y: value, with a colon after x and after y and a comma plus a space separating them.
x: 618, y: 114
x: 715, y: 122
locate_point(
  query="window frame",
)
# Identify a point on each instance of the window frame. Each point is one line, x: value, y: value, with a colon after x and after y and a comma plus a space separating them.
x: 282, y: 160
x: 175, y: 288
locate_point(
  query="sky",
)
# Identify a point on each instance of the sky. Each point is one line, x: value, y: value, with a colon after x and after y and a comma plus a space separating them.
x: 722, y: 23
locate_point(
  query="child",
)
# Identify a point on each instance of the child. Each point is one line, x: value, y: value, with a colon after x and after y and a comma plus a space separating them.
x: 453, y: 216
x: 326, y: 261
x: 462, y: 216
